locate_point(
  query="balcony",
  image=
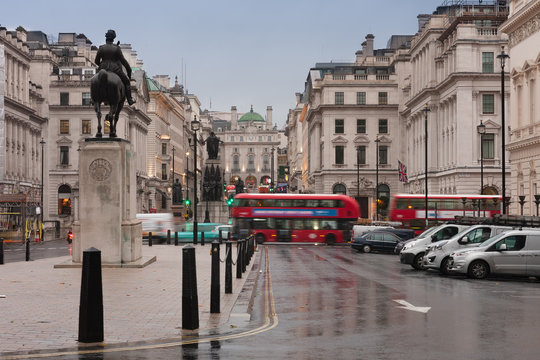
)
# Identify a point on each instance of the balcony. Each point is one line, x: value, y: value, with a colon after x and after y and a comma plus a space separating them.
x: 356, y: 78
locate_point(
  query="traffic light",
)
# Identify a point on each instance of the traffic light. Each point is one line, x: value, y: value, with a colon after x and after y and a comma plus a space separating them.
x: 187, y: 202
x: 230, y: 201
x: 70, y: 237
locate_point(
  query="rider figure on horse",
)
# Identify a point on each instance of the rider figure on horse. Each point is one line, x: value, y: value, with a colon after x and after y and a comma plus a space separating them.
x: 109, y: 57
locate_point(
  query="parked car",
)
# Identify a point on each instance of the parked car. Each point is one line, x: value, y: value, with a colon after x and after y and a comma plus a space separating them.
x: 402, y: 244
x: 359, y: 230
x: 378, y: 240
x: 413, y: 252
x: 438, y: 254
x: 515, y: 252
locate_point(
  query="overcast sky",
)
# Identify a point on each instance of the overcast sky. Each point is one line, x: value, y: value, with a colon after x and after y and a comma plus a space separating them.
x: 235, y: 52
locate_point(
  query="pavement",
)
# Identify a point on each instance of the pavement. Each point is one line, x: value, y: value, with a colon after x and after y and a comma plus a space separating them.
x: 39, y: 304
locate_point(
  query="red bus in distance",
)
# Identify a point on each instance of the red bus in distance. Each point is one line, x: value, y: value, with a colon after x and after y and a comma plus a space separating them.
x: 313, y: 218
x: 410, y: 209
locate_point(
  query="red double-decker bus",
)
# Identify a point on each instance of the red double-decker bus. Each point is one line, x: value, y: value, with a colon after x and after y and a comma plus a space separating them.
x: 410, y: 209
x: 315, y: 218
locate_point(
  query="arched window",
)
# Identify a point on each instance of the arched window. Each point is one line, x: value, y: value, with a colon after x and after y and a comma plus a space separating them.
x: 64, y: 200
x: 339, y: 189
x: 251, y: 163
x: 384, y: 199
x: 236, y: 163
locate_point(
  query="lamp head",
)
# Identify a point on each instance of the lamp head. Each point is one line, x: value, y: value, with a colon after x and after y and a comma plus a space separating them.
x: 195, y: 125
x: 481, y: 128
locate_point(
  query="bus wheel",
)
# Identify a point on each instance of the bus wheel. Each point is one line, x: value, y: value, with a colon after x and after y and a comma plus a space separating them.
x: 330, y: 239
x: 259, y: 238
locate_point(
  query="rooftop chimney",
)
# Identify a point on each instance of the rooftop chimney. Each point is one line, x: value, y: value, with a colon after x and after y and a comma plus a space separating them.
x: 269, y: 117
x: 234, y: 118
x: 298, y: 98
x: 422, y: 20
x: 369, y: 45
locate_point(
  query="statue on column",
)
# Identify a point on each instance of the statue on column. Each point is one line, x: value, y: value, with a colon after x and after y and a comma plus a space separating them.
x: 212, y: 146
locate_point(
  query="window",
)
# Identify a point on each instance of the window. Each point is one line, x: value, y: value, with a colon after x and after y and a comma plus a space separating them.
x: 241, y: 138
x: 361, y: 98
x: 64, y: 99
x: 383, y: 126
x: 488, y: 104
x: 488, y: 146
x: 163, y: 171
x: 383, y: 98
x: 361, y: 155
x: 339, y: 126
x: 360, y: 126
x: 266, y: 161
x: 88, y: 73
x: 163, y: 149
x: 64, y: 200
x: 86, y: 126
x: 383, y: 155
x: 64, y: 155
x: 340, y: 151
x: 251, y: 163
x: 340, y: 98
x: 236, y: 163
x: 64, y: 126
x: 269, y: 138
x: 487, y: 62
x: 260, y: 138
x: 86, y: 99
x: 232, y: 138
x: 339, y: 189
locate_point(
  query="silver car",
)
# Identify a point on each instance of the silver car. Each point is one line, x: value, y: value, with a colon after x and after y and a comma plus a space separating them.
x: 516, y: 252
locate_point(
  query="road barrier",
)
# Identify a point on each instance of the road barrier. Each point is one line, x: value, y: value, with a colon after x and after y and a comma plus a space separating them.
x: 1, y: 251
x: 214, y: 280
x: 190, y: 300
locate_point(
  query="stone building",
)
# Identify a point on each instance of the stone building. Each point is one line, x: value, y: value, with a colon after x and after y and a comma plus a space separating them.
x: 347, y: 112
x: 23, y: 117
x: 453, y: 71
x: 523, y: 29
x: 248, y: 147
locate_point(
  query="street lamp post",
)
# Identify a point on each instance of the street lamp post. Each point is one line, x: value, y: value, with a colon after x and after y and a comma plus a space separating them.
x: 42, y: 142
x: 481, y: 130
x: 502, y: 57
x: 426, y: 109
x: 272, y: 171
x: 195, y: 125
x: 187, y: 175
x: 173, y: 150
x: 377, y: 141
x: 357, y: 173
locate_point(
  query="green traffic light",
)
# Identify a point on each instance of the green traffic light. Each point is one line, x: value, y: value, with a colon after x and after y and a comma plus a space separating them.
x: 188, y: 202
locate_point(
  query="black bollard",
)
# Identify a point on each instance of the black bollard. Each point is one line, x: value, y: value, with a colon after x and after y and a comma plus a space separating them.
x: 176, y: 238
x: 239, y: 259
x: 202, y: 238
x: 27, y: 245
x: 150, y: 238
x: 190, y: 301
x: 244, y: 257
x: 169, y: 237
x: 228, y: 267
x: 91, y: 303
x: 1, y: 251
x: 214, y: 280
x: 220, y: 236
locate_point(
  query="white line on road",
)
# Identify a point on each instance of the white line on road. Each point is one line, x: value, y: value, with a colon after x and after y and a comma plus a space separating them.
x: 409, y: 306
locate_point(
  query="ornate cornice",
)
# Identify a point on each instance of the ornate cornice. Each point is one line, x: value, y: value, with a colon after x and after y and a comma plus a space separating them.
x: 522, y: 24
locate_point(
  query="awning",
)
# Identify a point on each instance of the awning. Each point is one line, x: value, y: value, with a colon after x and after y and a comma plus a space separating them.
x: 163, y: 193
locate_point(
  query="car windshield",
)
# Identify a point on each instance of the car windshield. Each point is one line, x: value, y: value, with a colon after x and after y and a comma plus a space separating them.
x: 492, y: 240
x: 428, y: 232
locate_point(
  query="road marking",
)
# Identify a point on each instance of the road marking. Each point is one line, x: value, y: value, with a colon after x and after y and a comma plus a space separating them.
x: 409, y: 306
x: 271, y: 321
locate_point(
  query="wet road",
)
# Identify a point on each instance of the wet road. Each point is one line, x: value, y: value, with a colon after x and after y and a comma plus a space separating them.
x: 16, y: 251
x: 330, y: 302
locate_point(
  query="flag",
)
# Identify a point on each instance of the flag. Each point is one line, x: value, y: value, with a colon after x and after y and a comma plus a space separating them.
x: 402, y: 169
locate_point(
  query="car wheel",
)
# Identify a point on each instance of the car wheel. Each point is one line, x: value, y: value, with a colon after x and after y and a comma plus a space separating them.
x: 259, y: 238
x: 445, y: 266
x: 330, y: 239
x: 366, y: 248
x: 417, y: 261
x: 478, y: 270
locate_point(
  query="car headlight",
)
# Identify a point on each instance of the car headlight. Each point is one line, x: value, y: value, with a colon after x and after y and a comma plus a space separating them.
x: 438, y: 247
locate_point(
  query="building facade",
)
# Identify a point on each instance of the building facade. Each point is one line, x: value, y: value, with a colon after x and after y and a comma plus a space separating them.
x: 454, y: 74
x: 523, y: 29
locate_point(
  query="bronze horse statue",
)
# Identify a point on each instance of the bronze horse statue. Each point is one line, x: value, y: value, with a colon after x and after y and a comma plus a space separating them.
x: 107, y: 87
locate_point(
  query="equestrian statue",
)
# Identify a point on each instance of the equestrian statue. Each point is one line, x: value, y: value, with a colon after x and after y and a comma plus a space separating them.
x: 110, y: 85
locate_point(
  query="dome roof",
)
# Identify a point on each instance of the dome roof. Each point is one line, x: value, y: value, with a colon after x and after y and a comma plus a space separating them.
x: 251, y: 116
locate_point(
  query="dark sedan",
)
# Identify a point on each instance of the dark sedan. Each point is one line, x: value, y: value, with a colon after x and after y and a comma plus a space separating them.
x: 378, y: 240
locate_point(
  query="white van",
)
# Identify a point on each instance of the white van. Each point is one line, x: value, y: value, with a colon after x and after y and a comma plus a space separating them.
x: 438, y: 254
x: 413, y: 252
x: 157, y: 224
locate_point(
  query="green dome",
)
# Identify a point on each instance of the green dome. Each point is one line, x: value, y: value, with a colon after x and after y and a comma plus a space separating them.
x: 251, y: 116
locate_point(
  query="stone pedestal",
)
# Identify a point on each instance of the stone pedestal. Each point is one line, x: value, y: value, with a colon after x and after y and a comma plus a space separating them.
x: 107, y: 203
